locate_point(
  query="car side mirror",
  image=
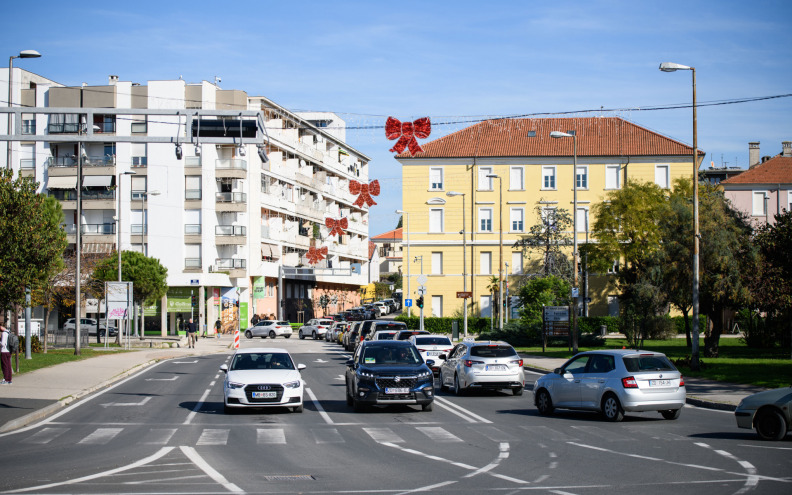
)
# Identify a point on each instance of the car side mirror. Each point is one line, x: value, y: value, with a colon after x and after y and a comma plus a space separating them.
x: 557, y: 371
x: 350, y: 363
x: 301, y: 367
x: 430, y: 362
x: 224, y: 368
x: 443, y: 356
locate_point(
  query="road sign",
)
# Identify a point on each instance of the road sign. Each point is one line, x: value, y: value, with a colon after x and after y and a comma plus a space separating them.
x: 408, y: 302
x: 194, y: 281
x: 422, y: 279
x: 464, y: 295
x: 575, y: 292
x: 421, y: 289
x: 556, y: 313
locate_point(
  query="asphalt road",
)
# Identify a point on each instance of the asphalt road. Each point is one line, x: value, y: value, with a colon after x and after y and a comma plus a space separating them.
x: 164, y: 431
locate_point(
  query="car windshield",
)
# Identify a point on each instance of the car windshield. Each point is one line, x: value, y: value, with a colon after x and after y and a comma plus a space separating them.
x: 432, y: 341
x: 647, y: 362
x: 261, y: 361
x: 493, y: 351
x: 395, y: 355
x: 391, y: 326
x: 385, y: 335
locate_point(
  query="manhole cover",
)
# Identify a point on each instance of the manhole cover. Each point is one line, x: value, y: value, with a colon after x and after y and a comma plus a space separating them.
x: 296, y: 477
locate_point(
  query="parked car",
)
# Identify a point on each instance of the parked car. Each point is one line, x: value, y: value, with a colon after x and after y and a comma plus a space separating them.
x: 384, y: 335
x: 406, y: 334
x: 90, y: 325
x: 337, y: 317
x: 350, y: 335
x: 332, y: 333
x: 269, y: 328
x: 769, y: 412
x: 388, y: 372
x: 482, y: 365
x: 613, y: 382
x: 262, y: 377
x: 315, y: 328
x: 384, y: 308
x: 392, y: 326
x: 433, y: 347
x: 375, y: 310
x: 393, y: 303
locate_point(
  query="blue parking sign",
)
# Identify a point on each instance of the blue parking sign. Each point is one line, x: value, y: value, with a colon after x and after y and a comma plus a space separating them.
x: 408, y: 302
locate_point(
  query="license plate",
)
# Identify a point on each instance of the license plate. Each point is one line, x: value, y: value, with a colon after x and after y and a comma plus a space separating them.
x: 390, y: 390
x: 264, y: 395
x: 496, y: 367
x: 659, y: 383
x: 433, y: 353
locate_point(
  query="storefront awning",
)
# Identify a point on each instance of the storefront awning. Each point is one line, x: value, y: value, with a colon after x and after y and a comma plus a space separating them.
x: 97, y: 180
x: 62, y: 182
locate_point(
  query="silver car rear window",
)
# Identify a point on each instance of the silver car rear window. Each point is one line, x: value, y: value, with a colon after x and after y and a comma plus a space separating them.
x: 494, y: 351
x: 647, y: 362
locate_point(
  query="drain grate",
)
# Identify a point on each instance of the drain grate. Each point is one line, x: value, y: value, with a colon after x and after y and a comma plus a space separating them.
x: 296, y: 477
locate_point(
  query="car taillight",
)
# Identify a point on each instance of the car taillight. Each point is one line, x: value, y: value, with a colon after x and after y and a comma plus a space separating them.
x: 470, y: 362
x: 518, y: 362
x: 681, y: 381
x: 629, y: 382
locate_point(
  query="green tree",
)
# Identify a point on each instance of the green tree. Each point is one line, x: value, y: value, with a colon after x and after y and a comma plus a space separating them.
x: 538, y: 292
x: 31, y: 239
x: 547, y: 237
x: 771, y: 282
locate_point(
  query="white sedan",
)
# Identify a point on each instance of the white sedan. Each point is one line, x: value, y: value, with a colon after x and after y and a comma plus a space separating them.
x: 262, y: 377
x: 315, y: 328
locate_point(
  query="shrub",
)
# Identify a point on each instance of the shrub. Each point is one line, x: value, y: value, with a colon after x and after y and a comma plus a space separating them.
x: 592, y: 324
x: 35, y: 344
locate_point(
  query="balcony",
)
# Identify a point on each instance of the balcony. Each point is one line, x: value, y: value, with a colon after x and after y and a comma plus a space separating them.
x: 139, y: 229
x: 230, y: 264
x: 87, y: 161
x: 27, y: 163
x: 231, y: 197
x: 192, y: 162
x: 91, y: 229
x: 192, y: 264
x: 230, y: 230
x: 231, y: 168
x: 139, y: 161
x: 192, y: 194
x: 192, y: 229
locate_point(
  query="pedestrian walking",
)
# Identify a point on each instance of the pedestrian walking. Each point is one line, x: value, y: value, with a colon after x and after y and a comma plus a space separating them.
x: 5, y: 355
x: 218, y: 325
x: 192, y: 334
x: 255, y: 319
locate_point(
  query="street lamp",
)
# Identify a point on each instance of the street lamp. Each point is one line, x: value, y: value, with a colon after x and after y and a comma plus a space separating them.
x: 672, y: 67
x: 500, y: 262
x: 451, y: 194
x: 22, y: 54
x: 402, y: 212
x: 575, y: 292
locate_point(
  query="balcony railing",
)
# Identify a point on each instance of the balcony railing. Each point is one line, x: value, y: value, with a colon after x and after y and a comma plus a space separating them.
x: 139, y: 229
x: 230, y: 263
x: 192, y: 161
x: 87, y: 161
x: 192, y: 263
x: 91, y: 228
x: 63, y: 128
x: 231, y: 197
x: 234, y: 163
x: 192, y: 229
x: 27, y: 163
x: 232, y: 230
x: 102, y: 194
x: 192, y: 194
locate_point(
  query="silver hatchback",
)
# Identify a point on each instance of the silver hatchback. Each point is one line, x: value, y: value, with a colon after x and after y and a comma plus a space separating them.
x: 613, y: 382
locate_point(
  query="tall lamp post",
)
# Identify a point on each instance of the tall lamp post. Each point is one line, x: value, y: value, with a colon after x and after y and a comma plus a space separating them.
x: 402, y: 212
x: 22, y: 54
x: 575, y: 289
x: 451, y: 194
x: 500, y: 242
x: 118, y: 226
x: 672, y: 67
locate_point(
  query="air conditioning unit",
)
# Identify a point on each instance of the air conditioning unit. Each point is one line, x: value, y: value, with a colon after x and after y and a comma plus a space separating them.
x: 211, y: 268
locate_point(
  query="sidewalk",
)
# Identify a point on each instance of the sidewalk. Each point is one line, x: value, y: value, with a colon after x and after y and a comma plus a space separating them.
x: 38, y: 394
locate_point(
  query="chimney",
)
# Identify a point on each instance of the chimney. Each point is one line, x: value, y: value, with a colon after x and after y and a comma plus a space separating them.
x: 112, y: 80
x: 786, y: 147
x: 753, y: 154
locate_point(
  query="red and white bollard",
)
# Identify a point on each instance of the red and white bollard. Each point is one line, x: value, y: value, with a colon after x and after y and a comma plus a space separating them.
x: 236, y: 339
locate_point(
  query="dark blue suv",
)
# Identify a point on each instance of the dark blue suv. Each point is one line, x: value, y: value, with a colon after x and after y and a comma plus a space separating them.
x: 388, y: 372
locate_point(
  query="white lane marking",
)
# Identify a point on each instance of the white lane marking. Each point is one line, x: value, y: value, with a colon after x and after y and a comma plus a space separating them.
x: 764, y: 447
x: 437, y: 434
x: 45, y: 436
x: 270, y: 435
x: 197, y: 407
x: 173, y: 378
x: 319, y: 407
x: 186, y: 362
x: 503, y: 449
x: 101, y: 436
x: 383, y: 435
x: 325, y: 435
x: 213, y: 436
x: 141, y: 462
x: 751, y: 481
x: 427, y: 488
x: 341, y: 377
x: 161, y: 436
x: 460, y: 411
x: 209, y: 470
x: 320, y: 360
x: 561, y: 492
x: 127, y: 404
x: 212, y: 384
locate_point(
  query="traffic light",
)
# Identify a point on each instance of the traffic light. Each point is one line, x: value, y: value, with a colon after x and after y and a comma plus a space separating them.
x: 194, y: 300
x: 419, y: 302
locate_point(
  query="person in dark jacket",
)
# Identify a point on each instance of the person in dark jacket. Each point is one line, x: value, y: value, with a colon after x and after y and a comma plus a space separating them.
x: 192, y: 334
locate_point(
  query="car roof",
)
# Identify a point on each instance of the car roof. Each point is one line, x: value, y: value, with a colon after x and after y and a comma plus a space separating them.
x: 623, y: 352
x: 388, y: 343
x: 471, y: 343
x: 259, y: 350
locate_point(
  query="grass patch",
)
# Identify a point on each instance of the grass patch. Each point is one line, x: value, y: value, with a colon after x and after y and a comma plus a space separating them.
x: 737, y: 362
x: 57, y: 356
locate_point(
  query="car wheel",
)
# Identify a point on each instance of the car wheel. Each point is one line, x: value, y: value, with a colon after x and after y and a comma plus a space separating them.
x: 358, y: 406
x: 298, y: 409
x: 426, y: 407
x: 770, y: 425
x: 249, y: 334
x: 612, y: 409
x: 313, y: 334
x: 300, y: 334
x: 286, y: 336
x: 458, y: 390
x: 517, y: 390
x: 272, y: 334
x: 348, y: 396
x: 544, y: 403
x: 671, y: 413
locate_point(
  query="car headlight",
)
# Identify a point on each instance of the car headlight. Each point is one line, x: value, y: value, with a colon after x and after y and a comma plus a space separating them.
x: 365, y: 374
x: 234, y: 385
x: 425, y: 374
x: 294, y: 384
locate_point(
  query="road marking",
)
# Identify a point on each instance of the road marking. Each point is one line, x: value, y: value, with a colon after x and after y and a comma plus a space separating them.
x: 383, y: 435
x: 209, y: 470
x: 764, y: 447
x: 186, y: 362
x: 437, y: 434
x: 319, y: 407
x: 174, y: 377
x: 503, y: 453
x: 45, y: 436
x: 101, y: 436
x: 341, y: 377
x: 197, y: 407
x: 270, y: 436
x: 160, y: 436
x: 325, y: 435
x: 460, y: 411
x: 126, y: 404
x: 213, y: 436
x: 752, y: 480
x: 320, y: 360
x: 428, y: 488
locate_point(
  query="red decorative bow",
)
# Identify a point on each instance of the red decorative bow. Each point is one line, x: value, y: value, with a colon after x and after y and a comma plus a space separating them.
x: 366, y: 191
x: 336, y: 226
x: 406, y: 132
x: 315, y: 255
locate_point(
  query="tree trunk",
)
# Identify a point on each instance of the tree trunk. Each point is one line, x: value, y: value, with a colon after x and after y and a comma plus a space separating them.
x: 712, y: 340
x: 688, y: 338
x: 46, y: 331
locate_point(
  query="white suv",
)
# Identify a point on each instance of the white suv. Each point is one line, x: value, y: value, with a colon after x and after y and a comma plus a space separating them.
x: 90, y: 324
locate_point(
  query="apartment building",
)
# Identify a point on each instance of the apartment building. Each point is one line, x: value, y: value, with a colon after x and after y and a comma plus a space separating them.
x: 232, y: 220
x: 502, y: 171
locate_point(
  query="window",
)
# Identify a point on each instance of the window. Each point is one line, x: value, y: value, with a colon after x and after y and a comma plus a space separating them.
x: 436, y: 220
x: 437, y: 263
x: 27, y: 156
x: 612, y: 177
x: 789, y: 200
x: 192, y: 222
x: 28, y: 123
x: 138, y: 187
x: 139, y: 126
x: 192, y: 187
x: 582, y: 220
x: 109, y: 151
x: 517, y: 263
x: 516, y: 179
x: 548, y: 178
x: 265, y: 187
x: 759, y: 204
x: 661, y: 176
x: 139, y: 222
x: 485, y: 262
x: 484, y: 182
x: 485, y: 304
x: 139, y: 155
x: 437, y: 306
x: 581, y: 177
x: 192, y: 256
x: 517, y: 219
x: 436, y: 178
x: 485, y: 219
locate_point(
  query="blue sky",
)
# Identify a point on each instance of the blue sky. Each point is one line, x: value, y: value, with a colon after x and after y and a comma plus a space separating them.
x: 367, y: 60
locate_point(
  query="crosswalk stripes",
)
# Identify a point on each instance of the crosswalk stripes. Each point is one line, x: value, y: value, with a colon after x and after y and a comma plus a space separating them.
x: 439, y: 435
x: 158, y: 436
x: 270, y: 436
x: 101, y: 436
x: 46, y: 435
x: 327, y: 435
x: 383, y: 435
x: 213, y: 436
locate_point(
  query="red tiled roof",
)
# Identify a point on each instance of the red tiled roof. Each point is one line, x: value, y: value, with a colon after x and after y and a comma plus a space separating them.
x: 390, y: 236
x: 777, y: 170
x: 372, y: 249
x: 597, y: 136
